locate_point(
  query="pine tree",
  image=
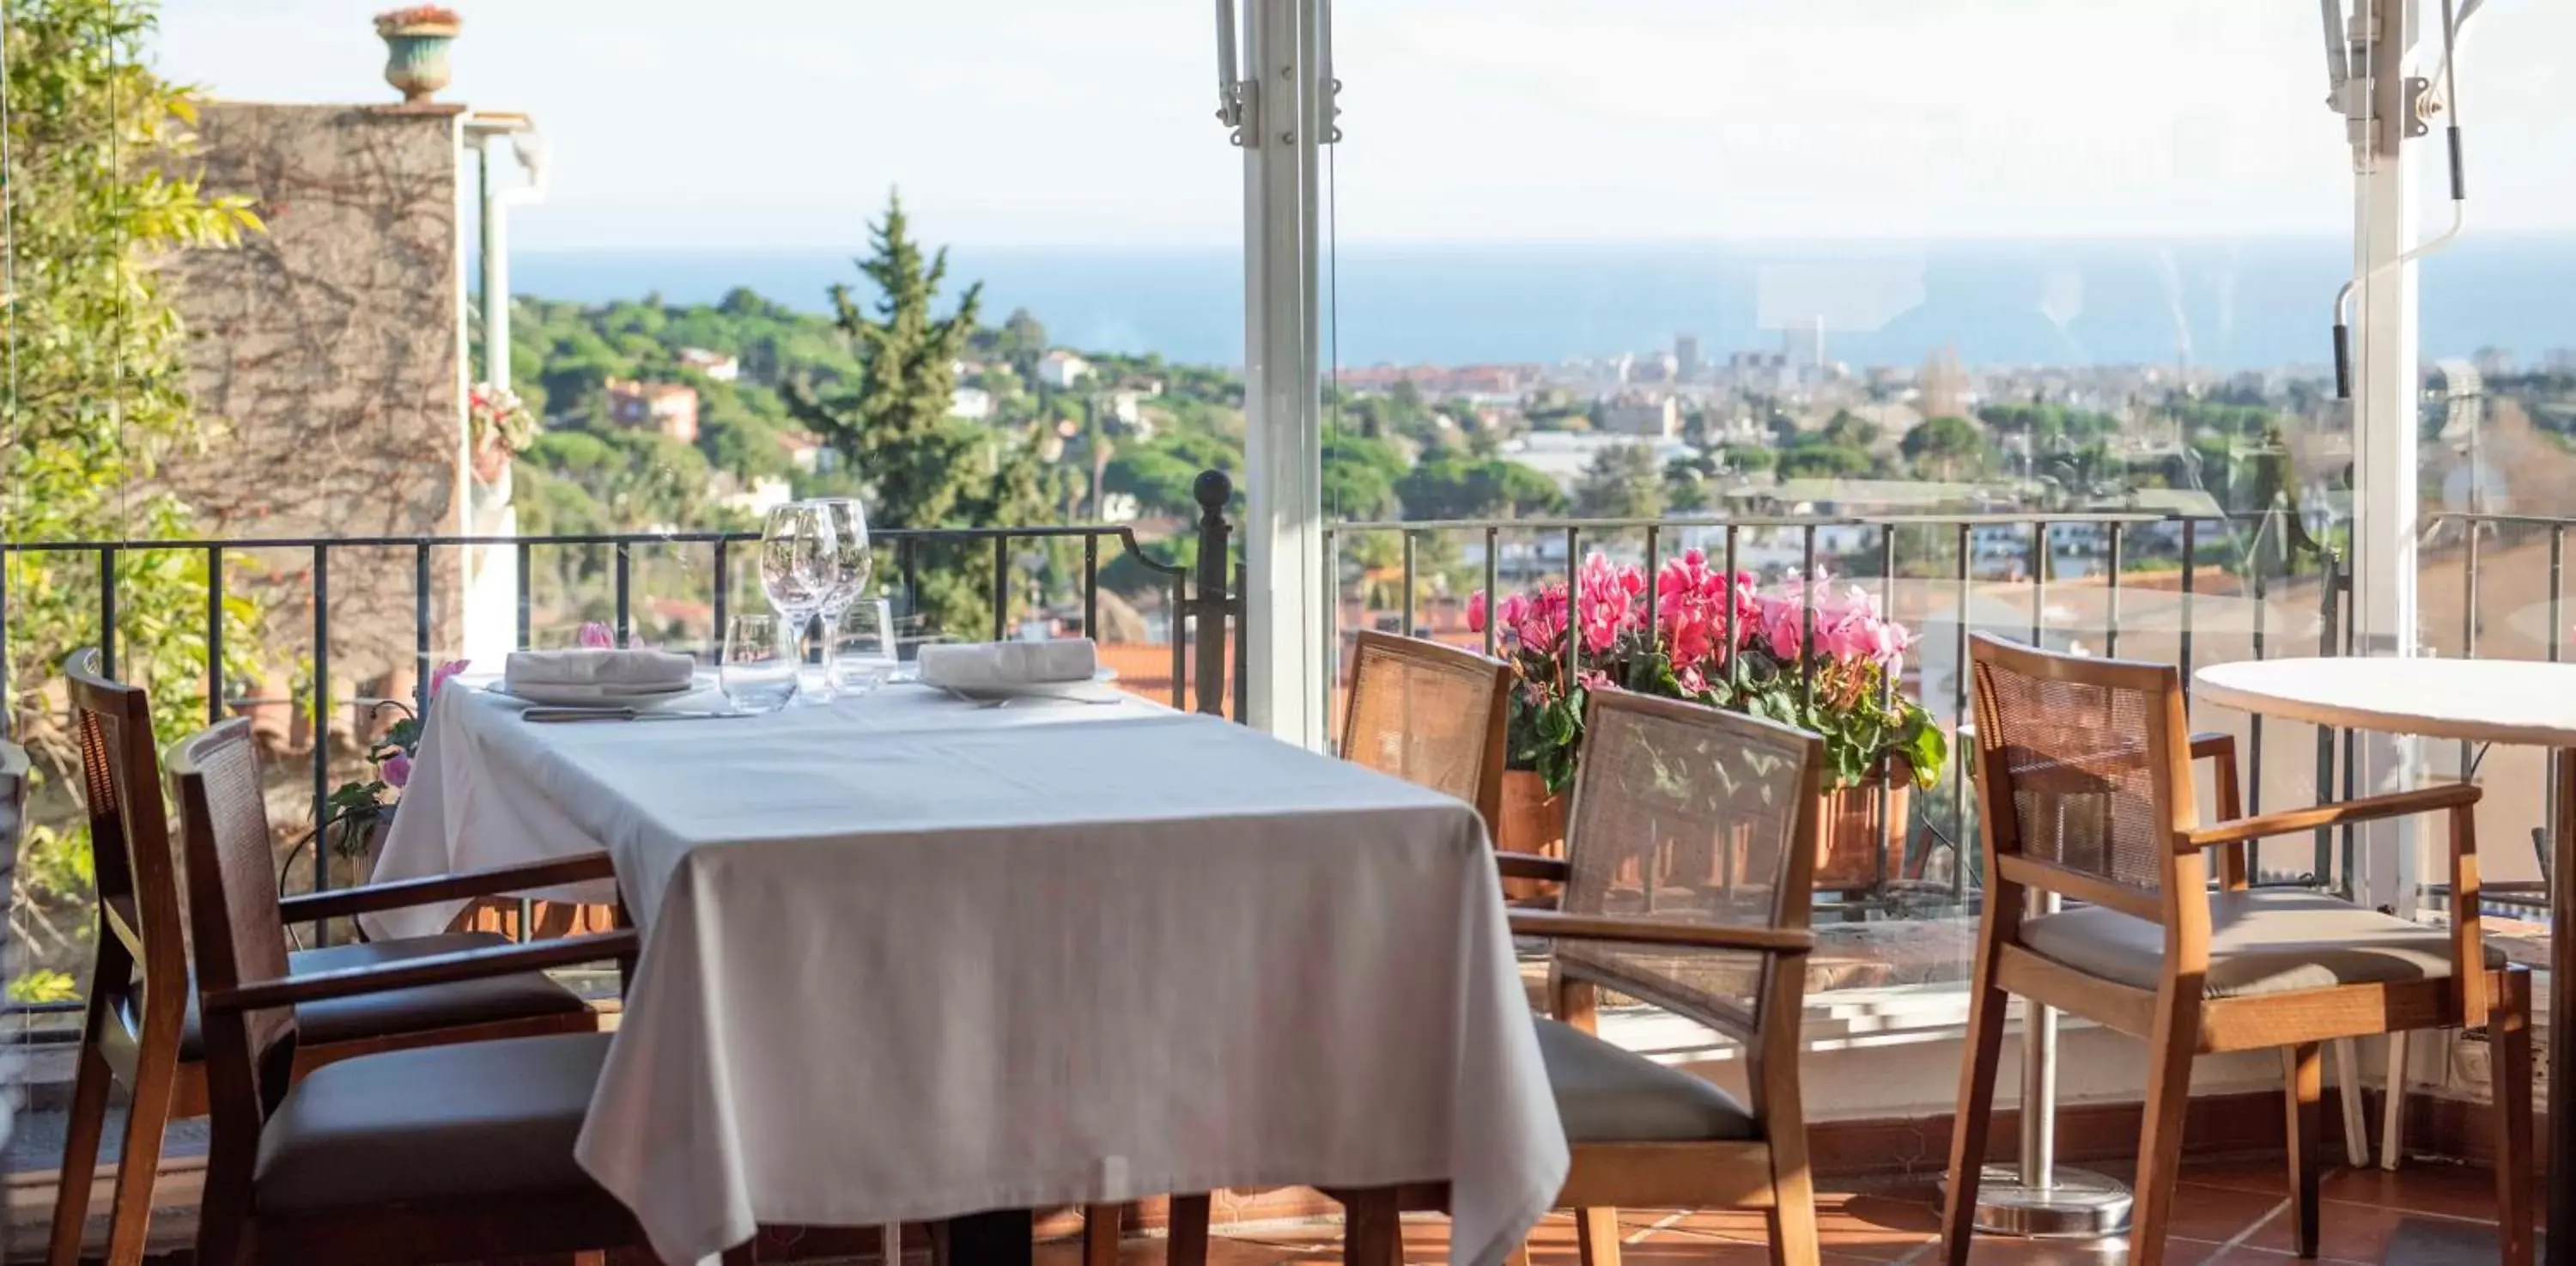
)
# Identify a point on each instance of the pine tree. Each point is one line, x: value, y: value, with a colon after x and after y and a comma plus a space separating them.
x: 921, y: 467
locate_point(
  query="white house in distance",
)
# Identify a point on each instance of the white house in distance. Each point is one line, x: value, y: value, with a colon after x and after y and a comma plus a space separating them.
x: 1062, y: 370
x: 716, y: 365
x: 1647, y: 416
x: 971, y: 403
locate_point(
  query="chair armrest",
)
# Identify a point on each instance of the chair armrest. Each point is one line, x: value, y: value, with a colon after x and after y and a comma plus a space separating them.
x: 2366, y: 809
x: 434, y: 969
x: 403, y: 893
x: 2214, y: 744
x: 1531, y: 866
x: 1557, y: 925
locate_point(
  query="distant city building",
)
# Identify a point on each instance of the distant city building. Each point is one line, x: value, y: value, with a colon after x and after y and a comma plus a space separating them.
x: 668, y: 407
x: 2560, y: 360
x: 1686, y: 364
x: 1127, y: 408
x: 1062, y: 370
x: 1804, y: 345
x: 754, y: 499
x: 1654, y: 367
x: 1563, y: 456
x: 805, y: 452
x: 1653, y: 417
x: 1945, y: 385
x: 2494, y: 362
x: 971, y: 403
x: 716, y: 365
x: 1481, y: 384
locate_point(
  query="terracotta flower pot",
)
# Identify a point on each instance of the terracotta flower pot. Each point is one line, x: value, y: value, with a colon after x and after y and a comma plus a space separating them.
x: 1858, y: 854
x: 1532, y: 822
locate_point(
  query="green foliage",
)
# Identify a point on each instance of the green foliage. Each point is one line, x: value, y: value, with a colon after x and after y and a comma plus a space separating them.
x: 1447, y: 486
x: 100, y: 382
x: 1948, y: 448
x: 1360, y: 475
x: 922, y: 468
x: 1622, y: 482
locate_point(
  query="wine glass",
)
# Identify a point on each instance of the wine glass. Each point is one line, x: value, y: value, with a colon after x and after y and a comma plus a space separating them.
x: 792, y: 571
x: 847, y: 561
x: 760, y: 665
x: 861, y: 646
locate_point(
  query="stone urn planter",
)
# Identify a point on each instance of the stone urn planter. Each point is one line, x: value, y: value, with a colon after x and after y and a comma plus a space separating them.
x: 416, y: 44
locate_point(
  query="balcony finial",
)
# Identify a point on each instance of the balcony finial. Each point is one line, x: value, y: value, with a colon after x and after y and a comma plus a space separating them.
x: 1213, y: 490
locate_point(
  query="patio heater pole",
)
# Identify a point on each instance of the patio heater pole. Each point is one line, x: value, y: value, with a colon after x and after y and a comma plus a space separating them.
x: 2035, y: 1197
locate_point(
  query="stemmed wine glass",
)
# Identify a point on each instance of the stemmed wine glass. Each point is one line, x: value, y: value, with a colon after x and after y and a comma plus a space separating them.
x: 794, y: 569
x: 848, y: 563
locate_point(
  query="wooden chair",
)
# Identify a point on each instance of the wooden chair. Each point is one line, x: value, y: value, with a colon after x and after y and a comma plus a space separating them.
x: 142, y: 1026
x: 1433, y: 715
x: 427, y: 1154
x: 2084, y: 787
x: 1663, y: 781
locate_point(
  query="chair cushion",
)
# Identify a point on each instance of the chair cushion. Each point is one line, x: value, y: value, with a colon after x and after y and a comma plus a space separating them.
x: 2261, y: 941
x: 437, y: 1122
x: 525, y: 995
x: 1605, y: 1094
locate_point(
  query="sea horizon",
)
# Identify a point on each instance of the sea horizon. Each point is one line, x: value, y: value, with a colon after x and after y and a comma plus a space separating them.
x: 2259, y: 303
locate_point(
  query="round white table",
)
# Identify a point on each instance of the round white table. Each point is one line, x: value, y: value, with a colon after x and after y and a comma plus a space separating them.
x: 2513, y: 702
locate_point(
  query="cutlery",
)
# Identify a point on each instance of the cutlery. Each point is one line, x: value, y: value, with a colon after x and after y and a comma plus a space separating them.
x: 559, y: 715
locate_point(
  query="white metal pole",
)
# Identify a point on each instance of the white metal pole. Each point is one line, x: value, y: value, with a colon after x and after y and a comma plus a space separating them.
x: 2385, y: 414
x: 1285, y: 601
x: 496, y: 271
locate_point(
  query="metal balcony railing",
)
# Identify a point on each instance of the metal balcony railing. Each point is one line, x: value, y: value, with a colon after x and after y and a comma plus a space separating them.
x: 1207, y: 633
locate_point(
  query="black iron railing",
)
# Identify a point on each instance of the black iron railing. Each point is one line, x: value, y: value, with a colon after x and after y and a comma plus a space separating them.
x: 1204, y: 634
x: 1557, y: 546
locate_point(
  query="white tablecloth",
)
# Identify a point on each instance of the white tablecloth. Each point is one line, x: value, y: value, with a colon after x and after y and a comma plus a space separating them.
x: 906, y: 958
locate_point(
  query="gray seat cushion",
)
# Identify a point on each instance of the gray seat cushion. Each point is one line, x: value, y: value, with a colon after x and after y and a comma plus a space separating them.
x: 436, y: 1123
x: 526, y: 995
x: 2261, y: 941
x: 1608, y: 1095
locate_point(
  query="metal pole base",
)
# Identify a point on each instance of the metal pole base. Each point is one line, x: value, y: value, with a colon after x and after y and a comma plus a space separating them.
x: 2079, y: 1203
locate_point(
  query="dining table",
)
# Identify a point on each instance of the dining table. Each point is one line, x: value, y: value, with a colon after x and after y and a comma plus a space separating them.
x: 2514, y: 702
x: 910, y: 958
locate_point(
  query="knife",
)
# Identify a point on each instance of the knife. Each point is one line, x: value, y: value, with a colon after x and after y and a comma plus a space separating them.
x: 557, y: 715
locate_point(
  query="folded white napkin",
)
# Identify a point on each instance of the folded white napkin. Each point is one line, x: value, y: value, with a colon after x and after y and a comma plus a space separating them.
x: 605, y: 673
x: 984, y: 665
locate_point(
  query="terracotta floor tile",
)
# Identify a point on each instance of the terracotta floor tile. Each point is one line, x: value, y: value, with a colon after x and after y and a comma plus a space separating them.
x: 2265, y: 1174
x: 1862, y: 1225
x: 2354, y: 1232
x: 1993, y: 1250
x: 2456, y: 1191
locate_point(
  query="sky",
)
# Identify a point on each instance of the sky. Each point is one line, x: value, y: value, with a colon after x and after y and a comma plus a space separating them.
x: 782, y: 124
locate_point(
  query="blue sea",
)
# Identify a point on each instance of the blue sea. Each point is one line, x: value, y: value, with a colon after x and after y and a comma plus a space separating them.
x: 2256, y: 304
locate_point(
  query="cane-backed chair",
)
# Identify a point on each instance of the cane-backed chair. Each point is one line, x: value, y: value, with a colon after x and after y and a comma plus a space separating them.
x: 1662, y: 783
x: 442, y: 1153
x: 1432, y: 715
x: 2084, y: 787
x: 142, y: 1027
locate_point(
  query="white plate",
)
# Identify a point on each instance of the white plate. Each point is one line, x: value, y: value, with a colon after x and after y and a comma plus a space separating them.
x: 1096, y: 690
x: 570, y: 696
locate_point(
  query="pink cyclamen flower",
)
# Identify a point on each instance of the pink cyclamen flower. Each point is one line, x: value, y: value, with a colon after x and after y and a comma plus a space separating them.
x: 1476, y: 612
x: 438, y: 677
x: 396, y: 771
x: 595, y: 636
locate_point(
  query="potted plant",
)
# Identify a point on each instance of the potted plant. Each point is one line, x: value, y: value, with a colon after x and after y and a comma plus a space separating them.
x: 498, y: 428
x: 1728, y: 643
x: 416, y: 43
